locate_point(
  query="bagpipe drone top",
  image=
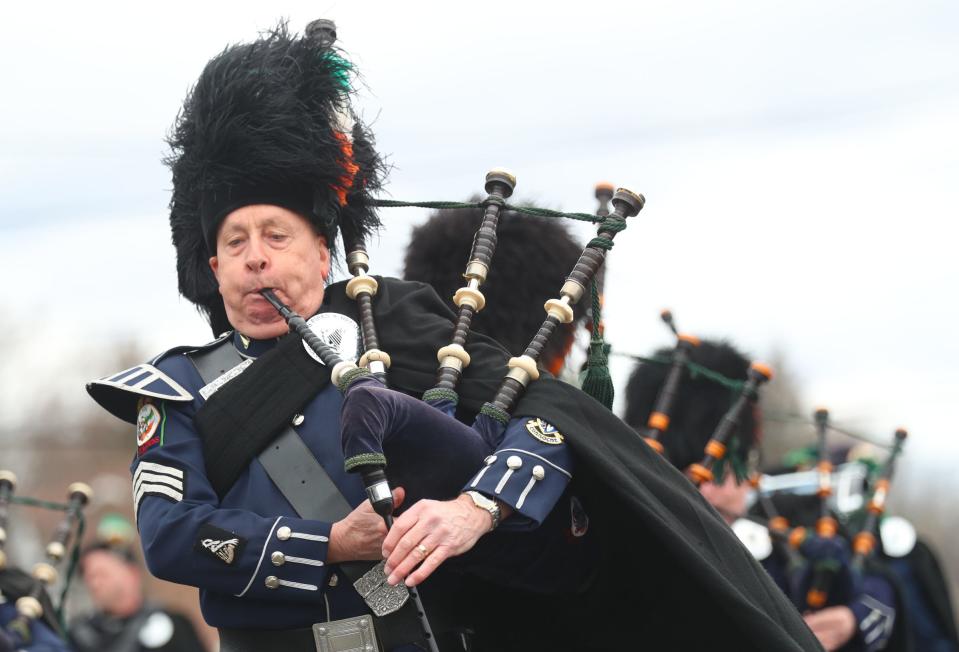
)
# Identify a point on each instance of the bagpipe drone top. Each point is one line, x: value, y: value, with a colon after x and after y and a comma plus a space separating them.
x: 271, y: 122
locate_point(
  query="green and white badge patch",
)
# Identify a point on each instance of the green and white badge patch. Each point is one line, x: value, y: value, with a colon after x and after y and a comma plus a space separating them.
x: 544, y: 432
x: 149, y: 422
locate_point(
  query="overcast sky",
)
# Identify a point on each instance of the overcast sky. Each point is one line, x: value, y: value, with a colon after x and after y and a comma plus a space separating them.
x: 799, y: 160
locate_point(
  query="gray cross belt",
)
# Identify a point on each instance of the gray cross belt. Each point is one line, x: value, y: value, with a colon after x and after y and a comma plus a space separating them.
x: 288, y: 461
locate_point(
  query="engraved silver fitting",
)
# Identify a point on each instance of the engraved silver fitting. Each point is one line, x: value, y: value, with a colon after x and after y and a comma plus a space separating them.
x: 379, y: 491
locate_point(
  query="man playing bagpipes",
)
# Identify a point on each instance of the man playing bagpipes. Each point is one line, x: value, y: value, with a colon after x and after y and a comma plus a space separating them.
x: 566, y: 533
x: 860, y: 611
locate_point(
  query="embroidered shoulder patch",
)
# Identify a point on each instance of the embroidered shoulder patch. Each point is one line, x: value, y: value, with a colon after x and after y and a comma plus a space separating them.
x: 544, y: 432
x: 149, y: 425
x: 222, y: 544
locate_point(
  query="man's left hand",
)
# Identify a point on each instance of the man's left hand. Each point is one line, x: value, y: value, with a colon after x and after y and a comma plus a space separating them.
x: 833, y: 626
x: 429, y: 533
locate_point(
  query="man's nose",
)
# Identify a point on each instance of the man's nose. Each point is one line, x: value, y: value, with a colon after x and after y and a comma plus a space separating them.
x: 256, y: 259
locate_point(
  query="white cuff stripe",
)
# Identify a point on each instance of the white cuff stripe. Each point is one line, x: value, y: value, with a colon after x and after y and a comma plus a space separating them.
x: 298, y: 585
x: 503, y: 481
x: 260, y: 561
x: 540, y: 458
x: 479, y: 476
x: 522, y: 496
x: 304, y: 560
x: 309, y: 537
x: 158, y: 468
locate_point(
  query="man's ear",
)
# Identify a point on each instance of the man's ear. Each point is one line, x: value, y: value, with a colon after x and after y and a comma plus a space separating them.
x: 215, y: 266
x: 324, y: 256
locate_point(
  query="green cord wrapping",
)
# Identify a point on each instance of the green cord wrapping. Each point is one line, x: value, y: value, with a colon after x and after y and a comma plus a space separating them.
x: 440, y: 393
x: 350, y: 375
x: 597, y: 382
x: 495, y: 413
x: 363, y: 459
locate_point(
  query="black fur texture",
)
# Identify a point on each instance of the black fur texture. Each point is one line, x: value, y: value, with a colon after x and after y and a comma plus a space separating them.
x: 265, y: 113
x: 533, y: 257
x: 700, y: 403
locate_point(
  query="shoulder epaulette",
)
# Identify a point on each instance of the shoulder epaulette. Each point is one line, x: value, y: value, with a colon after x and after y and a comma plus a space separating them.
x: 119, y: 393
x: 190, y: 349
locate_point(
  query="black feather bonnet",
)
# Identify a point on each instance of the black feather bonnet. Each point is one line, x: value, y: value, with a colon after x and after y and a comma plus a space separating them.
x: 268, y: 122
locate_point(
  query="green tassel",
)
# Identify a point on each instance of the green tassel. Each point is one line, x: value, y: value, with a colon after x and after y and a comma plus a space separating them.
x: 598, y: 382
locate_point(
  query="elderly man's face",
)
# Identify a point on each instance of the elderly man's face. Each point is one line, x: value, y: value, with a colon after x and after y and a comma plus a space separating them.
x: 114, y: 584
x: 265, y: 246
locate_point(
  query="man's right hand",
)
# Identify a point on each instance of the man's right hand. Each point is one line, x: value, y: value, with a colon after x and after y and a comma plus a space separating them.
x: 360, y: 535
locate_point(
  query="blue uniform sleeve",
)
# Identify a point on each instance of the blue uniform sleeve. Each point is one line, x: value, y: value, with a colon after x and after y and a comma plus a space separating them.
x: 875, y: 613
x: 528, y: 471
x: 188, y: 538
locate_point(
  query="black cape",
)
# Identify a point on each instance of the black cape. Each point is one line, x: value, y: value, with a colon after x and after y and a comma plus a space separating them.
x: 672, y: 576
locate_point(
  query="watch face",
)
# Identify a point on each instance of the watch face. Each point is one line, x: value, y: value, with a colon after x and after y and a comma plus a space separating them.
x: 482, y: 501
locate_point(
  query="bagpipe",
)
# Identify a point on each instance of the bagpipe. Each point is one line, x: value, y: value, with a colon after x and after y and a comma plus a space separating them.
x: 427, y: 450
x: 33, y: 602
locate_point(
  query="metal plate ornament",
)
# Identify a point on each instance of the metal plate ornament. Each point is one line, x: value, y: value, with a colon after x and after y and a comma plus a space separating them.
x: 338, y: 331
x: 755, y: 537
x: 381, y: 598
x: 349, y: 635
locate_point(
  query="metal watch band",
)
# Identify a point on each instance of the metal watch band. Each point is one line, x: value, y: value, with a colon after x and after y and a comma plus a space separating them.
x: 487, y: 504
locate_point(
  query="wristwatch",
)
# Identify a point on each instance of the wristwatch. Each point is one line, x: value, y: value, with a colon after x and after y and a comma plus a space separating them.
x: 489, y: 505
